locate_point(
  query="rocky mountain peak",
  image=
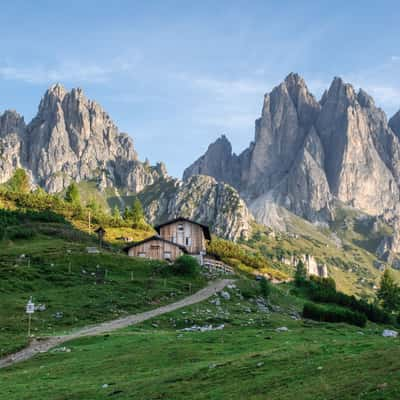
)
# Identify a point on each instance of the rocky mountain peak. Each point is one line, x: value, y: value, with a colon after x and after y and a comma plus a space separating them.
x: 308, y: 154
x: 12, y: 143
x: 73, y: 138
x: 296, y: 87
x: 341, y: 93
x: 57, y: 90
x: 218, y: 161
x: 11, y: 122
x: 365, y: 99
x: 394, y: 123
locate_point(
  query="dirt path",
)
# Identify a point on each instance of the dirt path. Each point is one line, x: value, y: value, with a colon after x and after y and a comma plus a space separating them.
x: 41, y: 346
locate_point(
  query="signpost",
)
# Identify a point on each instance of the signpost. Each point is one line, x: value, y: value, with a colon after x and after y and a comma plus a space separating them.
x: 30, y: 309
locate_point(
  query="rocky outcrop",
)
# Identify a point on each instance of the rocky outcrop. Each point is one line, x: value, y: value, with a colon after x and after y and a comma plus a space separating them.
x: 72, y: 138
x: 305, y: 189
x: 313, y: 267
x: 218, y: 161
x: 306, y: 155
x: 12, y: 143
x: 286, y: 119
x: 350, y: 126
x: 202, y: 199
x: 394, y: 123
x: 284, y: 166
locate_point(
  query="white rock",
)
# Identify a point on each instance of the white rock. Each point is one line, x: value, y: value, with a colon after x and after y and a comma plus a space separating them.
x: 389, y: 333
x: 225, y: 295
x: 282, y: 329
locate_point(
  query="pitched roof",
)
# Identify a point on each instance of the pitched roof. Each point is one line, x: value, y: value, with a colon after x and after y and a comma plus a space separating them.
x: 155, y: 237
x: 206, y: 229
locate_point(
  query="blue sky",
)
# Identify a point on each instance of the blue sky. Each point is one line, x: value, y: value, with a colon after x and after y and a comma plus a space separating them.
x: 176, y: 75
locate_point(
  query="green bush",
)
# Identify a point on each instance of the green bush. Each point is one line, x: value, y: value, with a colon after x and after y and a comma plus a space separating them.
x: 333, y: 314
x: 323, y: 290
x: 265, y: 287
x: 372, y: 312
x: 325, y: 283
x: 300, y: 276
x: 19, y: 233
x: 248, y: 288
x: 186, y: 265
x: 234, y: 253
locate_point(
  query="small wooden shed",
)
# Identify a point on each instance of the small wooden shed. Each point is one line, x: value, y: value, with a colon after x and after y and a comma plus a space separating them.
x: 155, y: 248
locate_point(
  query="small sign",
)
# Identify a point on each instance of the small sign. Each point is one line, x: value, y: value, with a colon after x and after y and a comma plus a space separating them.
x: 30, y: 307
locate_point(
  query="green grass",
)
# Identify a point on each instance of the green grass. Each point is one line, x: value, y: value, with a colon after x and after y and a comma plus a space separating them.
x: 350, y: 265
x: 132, y: 285
x: 248, y: 359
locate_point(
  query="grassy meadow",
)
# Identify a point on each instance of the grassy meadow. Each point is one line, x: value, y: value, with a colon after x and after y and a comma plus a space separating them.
x: 76, y: 288
x: 247, y: 359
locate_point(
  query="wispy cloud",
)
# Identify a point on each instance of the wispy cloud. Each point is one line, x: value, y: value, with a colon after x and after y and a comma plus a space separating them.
x: 229, y: 87
x: 229, y: 105
x: 69, y: 71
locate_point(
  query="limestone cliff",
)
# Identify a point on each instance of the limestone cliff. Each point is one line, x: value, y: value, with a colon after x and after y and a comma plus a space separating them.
x: 12, y: 143
x: 308, y: 156
x: 307, y: 153
x: 71, y: 138
x: 284, y: 166
x: 202, y: 199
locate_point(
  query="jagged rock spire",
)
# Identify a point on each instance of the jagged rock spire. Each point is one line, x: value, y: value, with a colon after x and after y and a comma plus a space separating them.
x: 72, y: 137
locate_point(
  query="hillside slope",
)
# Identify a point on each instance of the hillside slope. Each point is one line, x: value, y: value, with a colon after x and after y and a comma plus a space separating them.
x: 245, y: 354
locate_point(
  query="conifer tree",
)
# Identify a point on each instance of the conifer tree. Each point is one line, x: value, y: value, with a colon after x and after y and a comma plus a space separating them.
x: 389, y: 292
x: 72, y: 194
x: 19, y: 182
x: 301, y: 273
x: 116, y: 213
x: 137, y: 214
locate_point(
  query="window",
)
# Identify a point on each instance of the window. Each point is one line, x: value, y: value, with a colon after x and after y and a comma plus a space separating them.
x: 180, y: 227
x: 188, y: 241
x: 167, y: 255
x: 155, y: 246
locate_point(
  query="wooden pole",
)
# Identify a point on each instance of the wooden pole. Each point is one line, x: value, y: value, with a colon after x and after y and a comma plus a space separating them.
x: 29, y: 325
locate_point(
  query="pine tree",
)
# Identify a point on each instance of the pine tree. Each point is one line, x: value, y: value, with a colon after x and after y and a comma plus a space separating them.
x: 389, y: 292
x: 265, y: 287
x: 137, y: 214
x: 72, y: 194
x: 94, y: 206
x: 127, y: 214
x: 116, y: 214
x: 300, y: 275
x: 19, y: 182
